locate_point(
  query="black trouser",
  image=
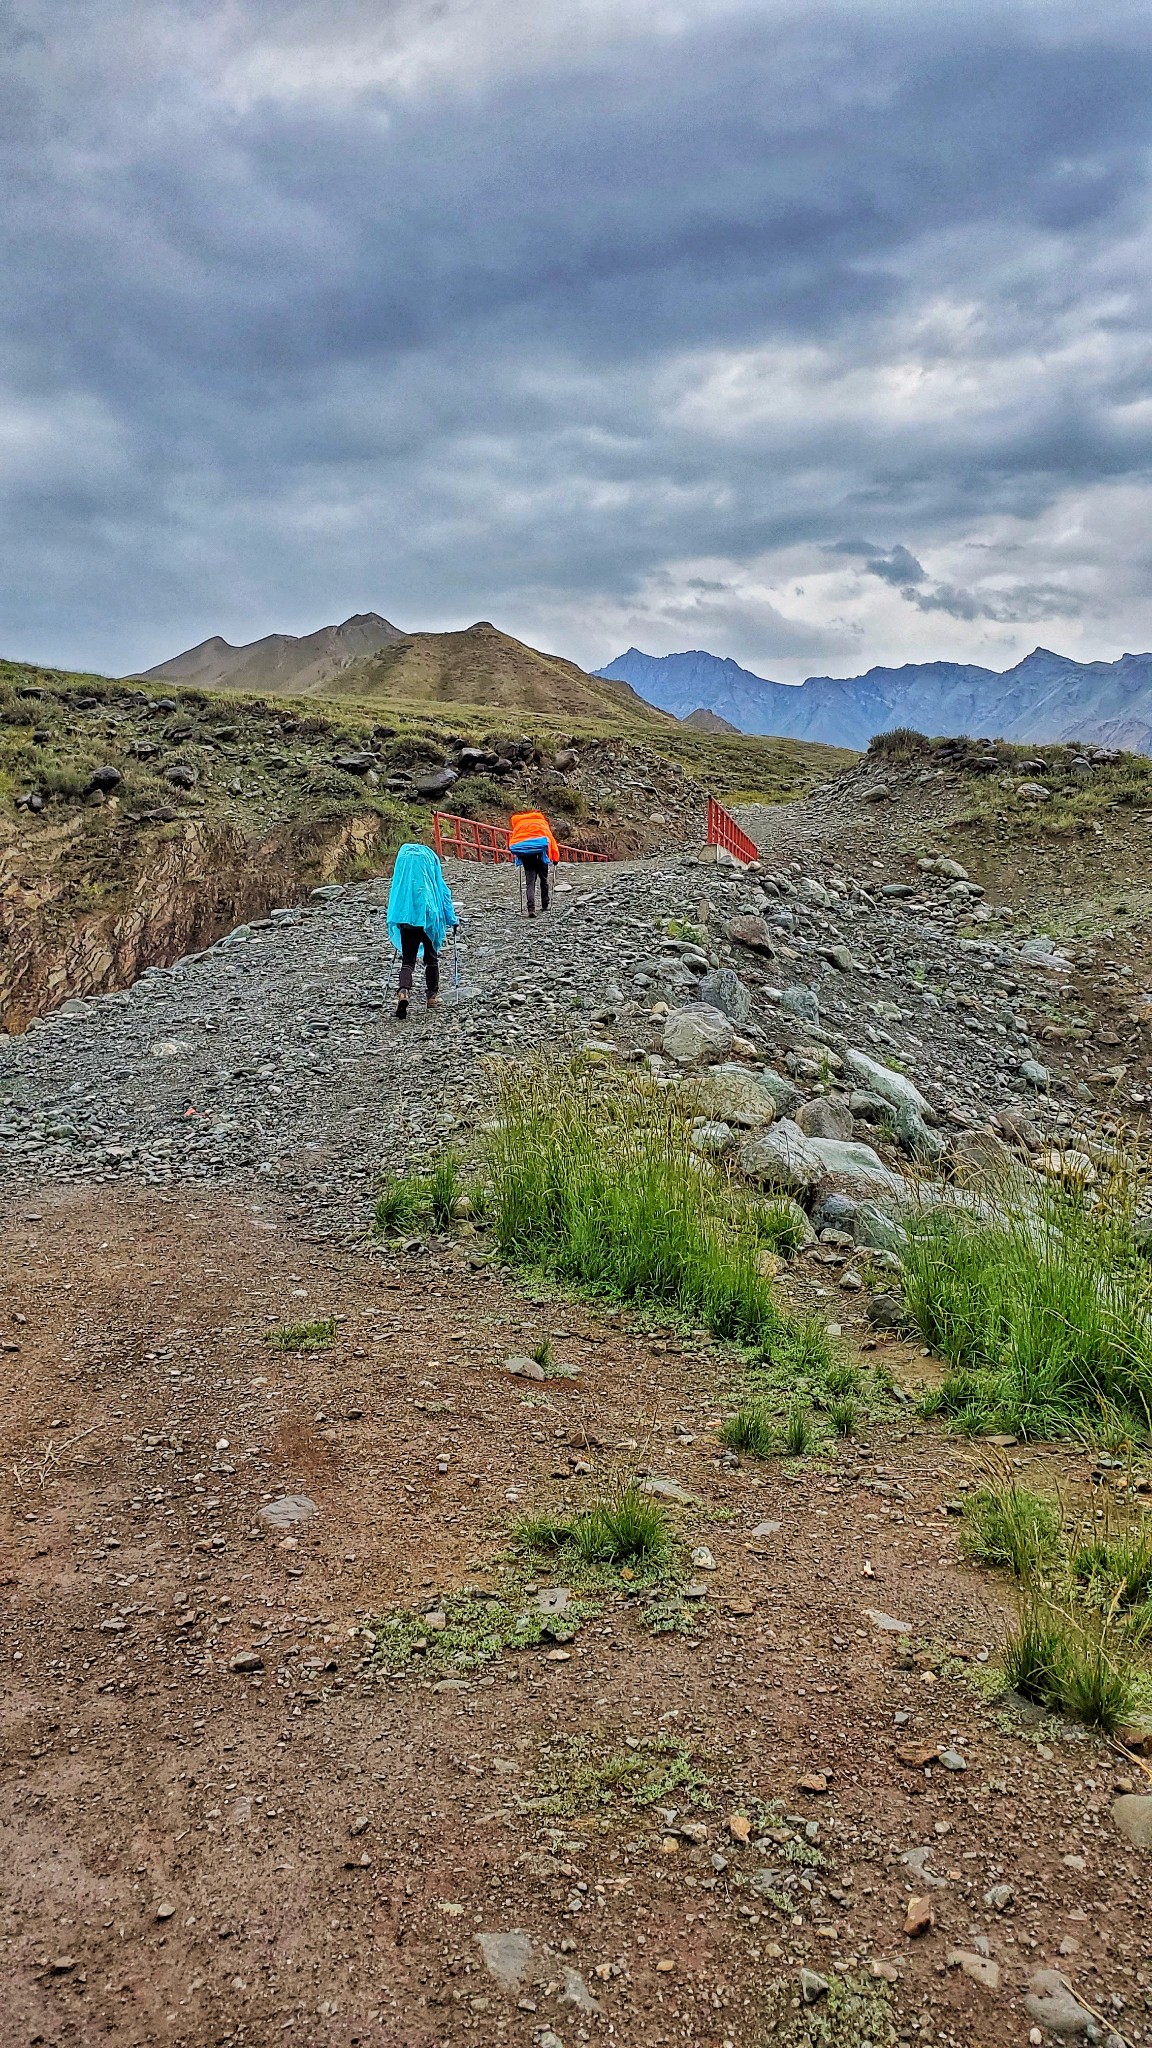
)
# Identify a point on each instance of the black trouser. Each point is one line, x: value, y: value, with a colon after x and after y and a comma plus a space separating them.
x: 535, y: 866
x: 412, y: 937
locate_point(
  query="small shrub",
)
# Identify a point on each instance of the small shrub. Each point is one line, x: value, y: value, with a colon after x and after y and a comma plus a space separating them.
x: 316, y: 1336
x: 543, y: 1353
x: 474, y: 795
x: 902, y: 743
x: 1006, y: 1525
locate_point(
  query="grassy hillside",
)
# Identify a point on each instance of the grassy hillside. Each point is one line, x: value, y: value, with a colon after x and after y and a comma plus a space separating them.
x: 484, y: 667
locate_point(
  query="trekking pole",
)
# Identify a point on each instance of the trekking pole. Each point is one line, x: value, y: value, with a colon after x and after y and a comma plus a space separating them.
x: 455, y: 961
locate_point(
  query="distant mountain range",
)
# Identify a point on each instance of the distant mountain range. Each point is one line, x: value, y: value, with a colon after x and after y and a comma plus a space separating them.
x: 369, y: 658
x: 1045, y: 697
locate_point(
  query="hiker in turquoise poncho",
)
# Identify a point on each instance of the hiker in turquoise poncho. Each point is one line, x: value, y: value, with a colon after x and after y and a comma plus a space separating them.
x: 420, y: 911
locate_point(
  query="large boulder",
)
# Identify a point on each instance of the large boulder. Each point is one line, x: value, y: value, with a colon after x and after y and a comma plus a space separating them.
x: 435, y: 781
x: 826, y: 1116
x: 784, y: 1157
x: 918, y: 1140
x: 781, y: 1158
x: 723, y: 989
x: 697, y: 1035
x: 801, y: 1002
x: 785, y: 1094
x: 873, y: 1227
x: 753, y: 933
x: 886, y: 1083
x: 980, y: 1155
x: 734, y: 1095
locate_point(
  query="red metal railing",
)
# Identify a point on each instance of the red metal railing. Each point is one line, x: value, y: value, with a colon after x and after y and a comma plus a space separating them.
x: 724, y: 831
x: 468, y: 839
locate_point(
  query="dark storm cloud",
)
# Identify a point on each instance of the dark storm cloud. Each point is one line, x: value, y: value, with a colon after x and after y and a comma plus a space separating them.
x: 274, y: 347
x: 893, y: 565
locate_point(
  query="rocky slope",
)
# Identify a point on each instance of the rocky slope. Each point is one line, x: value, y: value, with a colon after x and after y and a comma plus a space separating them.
x: 1045, y: 697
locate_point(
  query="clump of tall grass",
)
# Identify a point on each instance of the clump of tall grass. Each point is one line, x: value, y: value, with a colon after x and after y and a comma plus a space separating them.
x: 600, y: 1187
x: 444, y: 1189
x: 398, y: 1203
x: 1115, y: 1570
x: 1071, y: 1665
x: 759, y: 1431
x: 626, y: 1528
x: 1007, y: 1525
x: 1043, y: 1309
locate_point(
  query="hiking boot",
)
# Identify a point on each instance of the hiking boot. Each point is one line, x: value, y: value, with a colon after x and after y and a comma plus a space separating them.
x: 433, y: 1002
x: 401, y: 1007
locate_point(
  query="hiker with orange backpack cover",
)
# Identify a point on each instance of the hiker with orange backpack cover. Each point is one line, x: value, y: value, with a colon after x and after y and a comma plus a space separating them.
x: 532, y: 846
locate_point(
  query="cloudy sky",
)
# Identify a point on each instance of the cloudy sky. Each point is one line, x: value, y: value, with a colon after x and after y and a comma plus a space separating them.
x: 814, y: 335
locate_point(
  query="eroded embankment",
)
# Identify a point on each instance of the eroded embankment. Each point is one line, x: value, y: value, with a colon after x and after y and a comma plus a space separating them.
x: 179, y: 895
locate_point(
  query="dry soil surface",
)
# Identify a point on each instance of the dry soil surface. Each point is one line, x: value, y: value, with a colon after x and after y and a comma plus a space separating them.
x: 314, y: 1852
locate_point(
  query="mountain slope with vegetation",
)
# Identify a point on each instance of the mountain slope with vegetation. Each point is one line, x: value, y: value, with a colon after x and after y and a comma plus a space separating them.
x: 367, y: 657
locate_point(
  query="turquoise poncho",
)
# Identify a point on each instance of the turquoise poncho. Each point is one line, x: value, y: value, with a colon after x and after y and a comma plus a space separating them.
x: 419, y: 895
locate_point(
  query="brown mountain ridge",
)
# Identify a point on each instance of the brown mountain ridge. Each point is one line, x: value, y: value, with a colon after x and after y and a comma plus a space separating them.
x: 368, y: 658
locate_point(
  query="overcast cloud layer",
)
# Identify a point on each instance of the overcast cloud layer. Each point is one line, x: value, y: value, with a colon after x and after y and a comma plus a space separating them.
x: 816, y: 336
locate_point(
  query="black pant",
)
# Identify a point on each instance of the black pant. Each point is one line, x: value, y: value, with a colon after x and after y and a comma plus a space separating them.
x: 535, y: 866
x: 412, y: 937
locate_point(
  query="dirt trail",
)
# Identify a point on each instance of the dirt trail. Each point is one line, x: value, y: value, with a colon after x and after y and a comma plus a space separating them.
x: 187, y: 1861
x: 310, y: 1850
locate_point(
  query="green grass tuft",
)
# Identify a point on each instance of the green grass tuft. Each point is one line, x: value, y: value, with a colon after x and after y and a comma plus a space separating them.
x: 1115, y: 1571
x: 844, y: 1415
x: 594, y: 1180
x: 626, y: 1528
x: 1006, y: 1525
x: 397, y: 1206
x: 1055, y: 1660
x: 316, y: 1336
x: 1045, y: 1312
x: 798, y: 1434
x: 753, y: 1429
x: 444, y: 1189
